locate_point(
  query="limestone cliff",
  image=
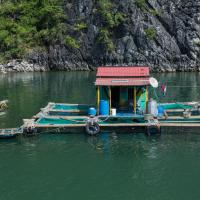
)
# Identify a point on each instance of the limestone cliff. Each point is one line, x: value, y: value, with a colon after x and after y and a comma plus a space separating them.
x: 164, y: 34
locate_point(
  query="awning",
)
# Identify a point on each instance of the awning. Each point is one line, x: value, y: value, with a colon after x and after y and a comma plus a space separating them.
x: 122, y: 81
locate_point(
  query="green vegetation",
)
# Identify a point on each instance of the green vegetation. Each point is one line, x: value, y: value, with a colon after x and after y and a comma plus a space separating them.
x: 71, y: 42
x: 151, y: 33
x: 111, y: 19
x: 142, y: 4
x: 156, y: 12
x: 197, y: 42
x: 105, y: 37
x: 81, y: 26
x: 26, y: 25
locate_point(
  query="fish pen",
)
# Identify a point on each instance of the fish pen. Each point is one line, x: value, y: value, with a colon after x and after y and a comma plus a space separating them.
x: 124, y: 102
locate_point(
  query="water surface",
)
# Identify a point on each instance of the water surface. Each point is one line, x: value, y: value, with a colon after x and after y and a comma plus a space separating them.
x: 111, y: 166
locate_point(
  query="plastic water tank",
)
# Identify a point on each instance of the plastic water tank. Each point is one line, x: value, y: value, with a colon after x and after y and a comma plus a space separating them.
x: 153, y: 108
x: 161, y: 111
x: 92, y: 112
x: 104, y: 107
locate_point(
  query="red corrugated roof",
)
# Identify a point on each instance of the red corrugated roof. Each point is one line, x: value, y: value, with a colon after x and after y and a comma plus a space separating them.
x: 132, y: 71
x: 122, y: 81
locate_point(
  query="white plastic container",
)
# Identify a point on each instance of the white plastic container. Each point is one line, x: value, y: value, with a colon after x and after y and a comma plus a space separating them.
x: 153, y: 108
x: 113, y: 112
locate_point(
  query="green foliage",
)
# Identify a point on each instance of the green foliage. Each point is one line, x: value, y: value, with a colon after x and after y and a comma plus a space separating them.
x: 105, y: 38
x: 72, y: 42
x: 156, y: 12
x: 198, y: 44
x: 80, y: 26
x: 28, y: 24
x: 142, y: 4
x: 196, y: 41
x: 111, y: 19
x: 151, y: 33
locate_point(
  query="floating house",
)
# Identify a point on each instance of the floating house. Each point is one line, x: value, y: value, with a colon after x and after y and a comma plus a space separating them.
x: 123, y: 102
x: 124, y: 89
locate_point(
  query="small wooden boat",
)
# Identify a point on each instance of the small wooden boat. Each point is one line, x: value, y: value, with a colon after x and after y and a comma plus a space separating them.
x: 9, y: 133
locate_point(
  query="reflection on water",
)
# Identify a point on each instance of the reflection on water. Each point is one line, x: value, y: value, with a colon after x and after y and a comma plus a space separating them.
x: 28, y: 92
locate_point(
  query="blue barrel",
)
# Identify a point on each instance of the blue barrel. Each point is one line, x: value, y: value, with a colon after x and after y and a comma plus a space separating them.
x: 92, y: 112
x: 161, y: 111
x: 104, y: 107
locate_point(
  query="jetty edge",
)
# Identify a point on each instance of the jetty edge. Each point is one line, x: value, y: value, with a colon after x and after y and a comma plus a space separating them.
x: 125, y: 101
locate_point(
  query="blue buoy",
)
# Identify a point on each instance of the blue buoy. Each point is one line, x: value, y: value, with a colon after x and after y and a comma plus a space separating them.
x: 92, y: 112
x: 104, y: 108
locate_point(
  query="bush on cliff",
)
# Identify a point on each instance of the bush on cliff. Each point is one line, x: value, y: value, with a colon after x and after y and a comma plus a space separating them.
x: 111, y: 18
x: 28, y: 24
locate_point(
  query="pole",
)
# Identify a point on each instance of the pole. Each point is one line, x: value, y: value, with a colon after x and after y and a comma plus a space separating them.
x: 98, y: 98
x: 147, y: 98
x: 110, y: 95
x: 135, y: 100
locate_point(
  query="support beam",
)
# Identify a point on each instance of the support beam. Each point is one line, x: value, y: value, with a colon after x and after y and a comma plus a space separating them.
x: 135, y: 99
x: 110, y: 97
x: 147, y: 97
x: 98, y: 98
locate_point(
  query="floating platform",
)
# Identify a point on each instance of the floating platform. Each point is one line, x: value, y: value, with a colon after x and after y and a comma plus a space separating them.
x: 64, y: 109
x: 10, y: 133
x: 179, y: 107
x: 60, y: 118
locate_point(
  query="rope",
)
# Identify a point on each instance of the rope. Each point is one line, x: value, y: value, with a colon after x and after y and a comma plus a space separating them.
x: 152, y: 122
x: 104, y: 119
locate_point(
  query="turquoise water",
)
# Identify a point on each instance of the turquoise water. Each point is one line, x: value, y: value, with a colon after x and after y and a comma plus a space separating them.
x: 111, y: 166
x: 60, y: 121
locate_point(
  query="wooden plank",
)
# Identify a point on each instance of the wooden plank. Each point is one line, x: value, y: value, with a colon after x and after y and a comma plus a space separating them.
x: 179, y: 125
x: 83, y: 125
x: 117, y: 125
x: 67, y: 111
x: 68, y: 104
x: 65, y: 117
x: 180, y: 117
x: 175, y: 110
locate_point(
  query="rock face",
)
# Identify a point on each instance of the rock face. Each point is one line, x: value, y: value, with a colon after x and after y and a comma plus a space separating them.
x: 22, y: 66
x: 174, y: 44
